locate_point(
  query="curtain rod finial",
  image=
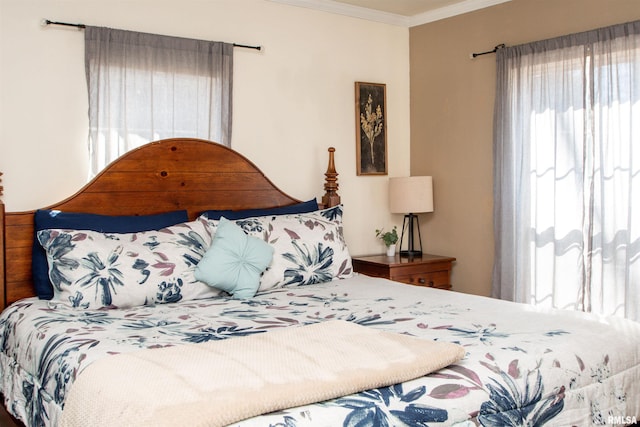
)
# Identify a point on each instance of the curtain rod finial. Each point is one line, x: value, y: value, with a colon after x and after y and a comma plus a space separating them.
x: 44, y: 22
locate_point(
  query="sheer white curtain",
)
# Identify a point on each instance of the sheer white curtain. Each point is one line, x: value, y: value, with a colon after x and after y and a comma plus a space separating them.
x: 145, y: 87
x: 567, y: 172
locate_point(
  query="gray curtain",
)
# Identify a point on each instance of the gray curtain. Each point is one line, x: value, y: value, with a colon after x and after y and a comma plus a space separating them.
x: 567, y: 172
x: 145, y: 87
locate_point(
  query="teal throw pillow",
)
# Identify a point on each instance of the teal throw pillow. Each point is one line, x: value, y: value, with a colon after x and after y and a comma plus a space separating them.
x: 235, y: 261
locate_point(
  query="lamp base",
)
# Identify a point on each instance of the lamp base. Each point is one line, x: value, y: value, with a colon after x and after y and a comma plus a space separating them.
x: 410, y: 254
x: 407, y: 225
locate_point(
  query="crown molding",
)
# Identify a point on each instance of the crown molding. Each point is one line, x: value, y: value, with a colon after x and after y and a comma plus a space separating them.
x: 350, y: 10
x: 452, y: 10
x: 392, y: 18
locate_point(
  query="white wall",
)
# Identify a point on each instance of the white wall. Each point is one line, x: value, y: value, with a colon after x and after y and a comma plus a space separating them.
x: 291, y: 101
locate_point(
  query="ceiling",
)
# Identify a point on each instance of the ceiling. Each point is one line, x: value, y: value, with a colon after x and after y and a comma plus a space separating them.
x: 402, y: 7
x: 407, y: 13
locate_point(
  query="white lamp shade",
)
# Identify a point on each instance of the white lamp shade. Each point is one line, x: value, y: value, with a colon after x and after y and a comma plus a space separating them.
x: 411, y: 194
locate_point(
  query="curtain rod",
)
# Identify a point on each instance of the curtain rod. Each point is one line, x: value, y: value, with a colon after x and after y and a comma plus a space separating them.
x: 495, y: 49
x: 46, y: 22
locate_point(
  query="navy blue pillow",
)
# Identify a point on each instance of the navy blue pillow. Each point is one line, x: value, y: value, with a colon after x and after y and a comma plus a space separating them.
x: 45, y: 219
x: 303, y: 207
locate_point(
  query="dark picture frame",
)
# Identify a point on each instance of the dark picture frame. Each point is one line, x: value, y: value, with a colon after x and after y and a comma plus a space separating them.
x: 371, y: 128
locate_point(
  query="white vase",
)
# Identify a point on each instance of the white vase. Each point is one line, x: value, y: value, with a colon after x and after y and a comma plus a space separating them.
x: 391, y: 250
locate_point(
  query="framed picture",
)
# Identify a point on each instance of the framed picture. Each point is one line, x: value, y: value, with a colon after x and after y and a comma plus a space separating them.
x: 371, y: 128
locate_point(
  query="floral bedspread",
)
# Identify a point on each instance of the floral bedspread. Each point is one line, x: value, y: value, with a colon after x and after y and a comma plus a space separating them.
x: 523, y: 366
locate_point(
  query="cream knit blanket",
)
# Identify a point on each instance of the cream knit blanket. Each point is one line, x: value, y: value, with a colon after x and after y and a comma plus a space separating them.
x: 222, y: 382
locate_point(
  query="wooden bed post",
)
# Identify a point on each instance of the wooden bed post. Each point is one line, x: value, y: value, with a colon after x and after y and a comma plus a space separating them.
x: 331, y: 197
x: 3, y: 301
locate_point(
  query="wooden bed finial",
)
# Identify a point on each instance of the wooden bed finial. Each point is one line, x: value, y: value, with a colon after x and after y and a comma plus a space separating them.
x: 331, y: 197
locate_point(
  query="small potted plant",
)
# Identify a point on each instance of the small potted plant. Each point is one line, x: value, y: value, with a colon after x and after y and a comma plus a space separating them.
x: 390, y: 238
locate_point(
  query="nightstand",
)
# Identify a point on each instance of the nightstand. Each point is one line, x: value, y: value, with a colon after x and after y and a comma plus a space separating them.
x: 426, y: 270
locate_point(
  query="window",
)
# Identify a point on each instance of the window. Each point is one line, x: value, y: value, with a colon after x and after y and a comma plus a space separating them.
x: 145, y: 87
x: 567, y: 172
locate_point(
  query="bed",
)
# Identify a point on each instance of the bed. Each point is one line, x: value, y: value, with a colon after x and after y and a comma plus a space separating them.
x: 482, y: 361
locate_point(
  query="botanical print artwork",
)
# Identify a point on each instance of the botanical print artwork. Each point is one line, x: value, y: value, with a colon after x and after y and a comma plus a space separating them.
x: 522, y: 367
x: 371, y: 123
x: 371, y: 129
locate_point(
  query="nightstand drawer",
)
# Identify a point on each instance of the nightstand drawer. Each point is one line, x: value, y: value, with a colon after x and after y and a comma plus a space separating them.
x: 435, y: 279
x: 426, y: 270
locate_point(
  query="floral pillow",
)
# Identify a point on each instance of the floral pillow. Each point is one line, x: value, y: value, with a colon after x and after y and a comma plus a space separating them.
x: 308, y: 247
x: 90, y: 269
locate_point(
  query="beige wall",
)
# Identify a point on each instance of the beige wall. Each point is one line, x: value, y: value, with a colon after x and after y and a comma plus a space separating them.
x: 452, y: 111
x: 291, y: 101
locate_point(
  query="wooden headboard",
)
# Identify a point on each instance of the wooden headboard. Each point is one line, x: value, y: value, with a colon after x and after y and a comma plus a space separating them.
x: 179, y: 173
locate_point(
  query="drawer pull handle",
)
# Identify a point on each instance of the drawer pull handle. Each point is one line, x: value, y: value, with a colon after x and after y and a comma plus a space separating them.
x: 423, y: 281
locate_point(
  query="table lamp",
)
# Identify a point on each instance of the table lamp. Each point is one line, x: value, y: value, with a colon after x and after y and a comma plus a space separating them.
x: 411, y: 195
